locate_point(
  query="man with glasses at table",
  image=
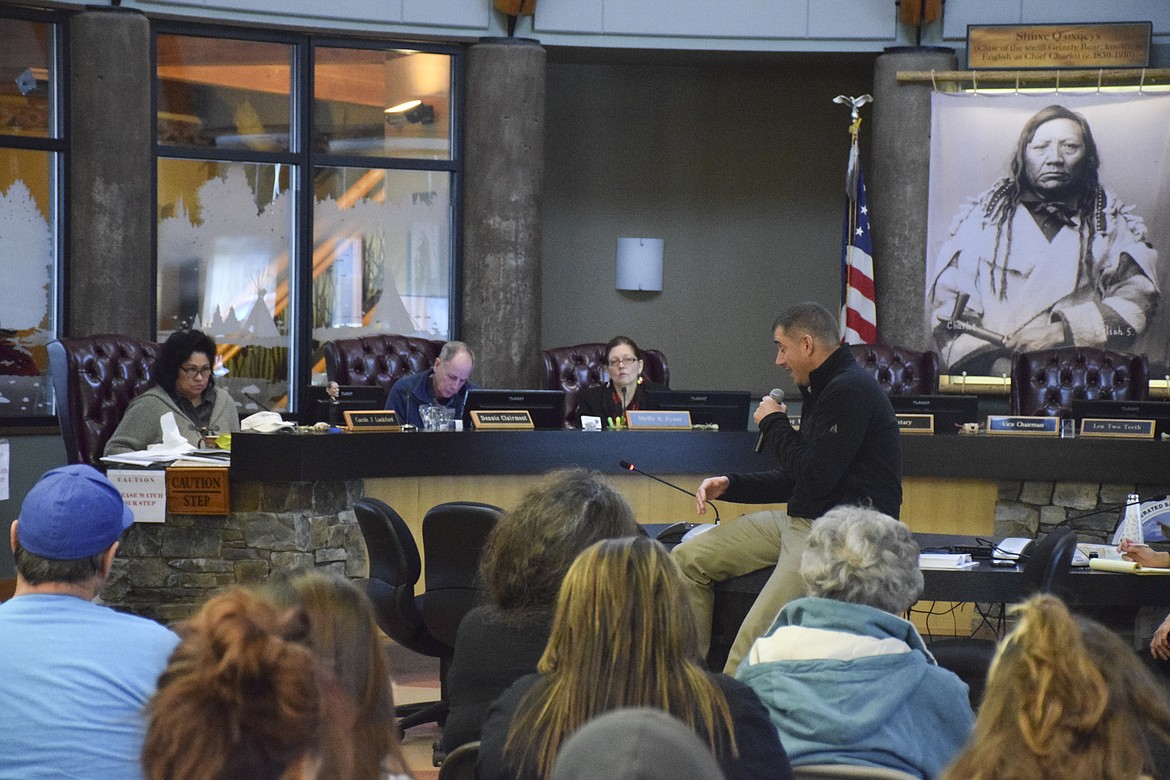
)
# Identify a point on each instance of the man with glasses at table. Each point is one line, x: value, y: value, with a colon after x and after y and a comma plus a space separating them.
x: 443, y: 384
x: 185, y: 387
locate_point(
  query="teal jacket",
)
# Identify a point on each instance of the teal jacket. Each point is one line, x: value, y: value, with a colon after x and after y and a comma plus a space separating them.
x: 851, y: 684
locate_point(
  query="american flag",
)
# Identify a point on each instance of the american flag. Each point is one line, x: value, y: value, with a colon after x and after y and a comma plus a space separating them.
x: 858, y: 303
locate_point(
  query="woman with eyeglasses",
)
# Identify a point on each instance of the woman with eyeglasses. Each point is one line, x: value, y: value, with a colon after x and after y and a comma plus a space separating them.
x: 625, y: 389
x: 185, y: 386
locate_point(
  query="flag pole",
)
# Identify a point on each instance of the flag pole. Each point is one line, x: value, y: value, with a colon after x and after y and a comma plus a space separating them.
x: 858, y: 318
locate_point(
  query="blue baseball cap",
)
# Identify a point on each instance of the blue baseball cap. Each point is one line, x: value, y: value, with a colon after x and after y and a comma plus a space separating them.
x: 72, y: 512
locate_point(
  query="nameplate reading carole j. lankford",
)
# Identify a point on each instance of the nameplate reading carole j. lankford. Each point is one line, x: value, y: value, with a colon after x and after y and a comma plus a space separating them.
x: 1013, y: 425
x: 1117, y: 429
x: 502, y: 420
x: 374, y: 420
x: 198, y: 490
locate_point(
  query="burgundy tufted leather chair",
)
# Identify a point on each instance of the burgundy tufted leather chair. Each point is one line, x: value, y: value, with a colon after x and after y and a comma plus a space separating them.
x: 381, y: 359
x: 1045, y: 382
x: 95, y: 378
x: 899, y: 371
x: 572, y: 368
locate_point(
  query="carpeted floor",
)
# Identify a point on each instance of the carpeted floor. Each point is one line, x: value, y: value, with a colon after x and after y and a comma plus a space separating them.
x: 416, y: 679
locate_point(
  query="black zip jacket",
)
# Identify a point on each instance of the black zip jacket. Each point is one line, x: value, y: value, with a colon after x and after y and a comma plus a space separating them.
x: 848, y: 449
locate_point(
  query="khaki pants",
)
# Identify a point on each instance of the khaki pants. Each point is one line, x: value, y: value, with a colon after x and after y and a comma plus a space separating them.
x: 741, y: 546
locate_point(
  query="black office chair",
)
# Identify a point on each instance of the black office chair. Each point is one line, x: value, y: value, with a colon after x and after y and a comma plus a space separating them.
x: 1046, y: 570
x: 395, y: 568
x: 460, y: 763
x: 454, y: 536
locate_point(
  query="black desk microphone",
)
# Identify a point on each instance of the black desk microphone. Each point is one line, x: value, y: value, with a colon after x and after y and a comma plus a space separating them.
x: 776, y: 395
x: 625, y: 464
x: 256, y: 401
x: 1109, y: 508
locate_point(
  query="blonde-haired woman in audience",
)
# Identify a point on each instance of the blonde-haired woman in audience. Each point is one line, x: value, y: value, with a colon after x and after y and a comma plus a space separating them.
x: 624, y: 636
x: 526, y: 558
x: 1066, y: 699
x: 346, y: 640
x: 242, y: 697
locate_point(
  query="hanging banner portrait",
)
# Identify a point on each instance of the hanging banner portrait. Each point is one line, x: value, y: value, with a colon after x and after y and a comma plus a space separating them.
x: 1049, y: 225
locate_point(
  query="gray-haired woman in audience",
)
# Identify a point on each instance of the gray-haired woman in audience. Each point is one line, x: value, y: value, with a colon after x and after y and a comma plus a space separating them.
x: 845, y: 679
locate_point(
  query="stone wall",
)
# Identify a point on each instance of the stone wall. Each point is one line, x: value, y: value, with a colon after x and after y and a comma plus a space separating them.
x: 1034, y: 508
x: 166, y: 570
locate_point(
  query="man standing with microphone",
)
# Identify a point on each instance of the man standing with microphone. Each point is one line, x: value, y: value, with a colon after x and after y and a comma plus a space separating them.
x: 848, y: 451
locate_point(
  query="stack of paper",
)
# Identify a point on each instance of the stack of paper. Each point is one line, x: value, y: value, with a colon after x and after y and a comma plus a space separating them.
x: 946, y: 561
x: 1125, y: 567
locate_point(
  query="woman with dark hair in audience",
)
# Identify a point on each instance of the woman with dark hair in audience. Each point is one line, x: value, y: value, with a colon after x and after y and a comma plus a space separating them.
x: 185, y: 386
x: 242, y: 697
x: 624, y: 636
x: 625, y: 387
x: 845, y: 678
x: 526, y: 558
x: 347, y: 641
x: 1066, y: 699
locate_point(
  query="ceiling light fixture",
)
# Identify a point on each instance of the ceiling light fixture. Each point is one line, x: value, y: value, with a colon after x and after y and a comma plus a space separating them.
x: 414, y: 111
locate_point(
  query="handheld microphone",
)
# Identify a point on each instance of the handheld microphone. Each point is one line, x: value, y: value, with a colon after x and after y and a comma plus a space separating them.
x: 776, y: 395
x: 625, y: 464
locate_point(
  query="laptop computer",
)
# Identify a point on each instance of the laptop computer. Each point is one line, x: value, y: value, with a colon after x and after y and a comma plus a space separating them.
x: 546, y: 407
x: 350, y: 398
x: 726, y: 408
x: 950, y: 411
x: 1158, y: 411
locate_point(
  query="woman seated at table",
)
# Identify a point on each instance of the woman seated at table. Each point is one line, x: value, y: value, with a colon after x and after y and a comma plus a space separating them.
x: 185, y: 386
x: 1146, y: 556
x: 522, y: 566
x: 846, y: 680
x: 625, y: 388
x: 624, y: 636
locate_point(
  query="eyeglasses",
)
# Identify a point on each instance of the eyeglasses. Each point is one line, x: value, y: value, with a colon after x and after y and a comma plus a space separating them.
x: 616, y: 362
x: 195, y: 371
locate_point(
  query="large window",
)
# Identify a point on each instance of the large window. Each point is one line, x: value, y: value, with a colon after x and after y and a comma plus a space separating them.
x: 273, y: 244
x: 31, y: 156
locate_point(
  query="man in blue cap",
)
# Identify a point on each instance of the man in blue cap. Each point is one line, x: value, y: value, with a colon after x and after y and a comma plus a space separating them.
x: 74, y: 676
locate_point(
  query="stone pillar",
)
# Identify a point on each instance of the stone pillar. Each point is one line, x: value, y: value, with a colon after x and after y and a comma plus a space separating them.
x: 898, y: 191
x: 502, y: 222
x: 110, y: 287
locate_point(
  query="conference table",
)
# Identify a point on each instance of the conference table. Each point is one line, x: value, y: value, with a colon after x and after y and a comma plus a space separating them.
x: 1005, y: 584
x: 951, y: 482
x: 292, y: 494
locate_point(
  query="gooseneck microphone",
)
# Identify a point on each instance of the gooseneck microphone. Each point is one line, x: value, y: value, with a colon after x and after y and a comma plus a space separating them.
x: 1108, y: 508
x: 776, y: 395
x: 256, y: 401
x: 625, y: 464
